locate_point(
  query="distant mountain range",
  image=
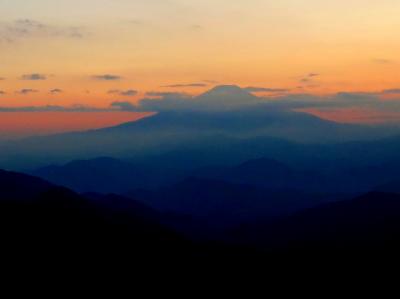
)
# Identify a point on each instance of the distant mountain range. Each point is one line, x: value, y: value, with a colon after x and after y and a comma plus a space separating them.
x: 222, y: 204
x: 223, y: 115
x: 104, y: 175
x: 266, y: 173
x: 305, y: 173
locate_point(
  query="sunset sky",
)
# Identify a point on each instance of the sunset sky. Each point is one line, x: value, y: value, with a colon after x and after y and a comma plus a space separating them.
x: 95, y: 52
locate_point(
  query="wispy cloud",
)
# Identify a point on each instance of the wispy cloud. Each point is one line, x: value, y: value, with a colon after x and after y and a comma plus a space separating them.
x: 107, y: 77
x: 2, y: 92
x: 34, y: 77
x: 210, y: 81
x: 341, y: 100
x: 56, y: 91
x: 196, y: 27
x: 50, y: 108
x: 382, y: 61
x: 186, y: 85
x: 22, y: 29
x: 166, y: 94
x: 116, y: 106
x: 264, y: 89
x: 308, y: 80
x: 123, y: 106
x: 392, y: 91
x: 26, y: 91
x: 126, y: 93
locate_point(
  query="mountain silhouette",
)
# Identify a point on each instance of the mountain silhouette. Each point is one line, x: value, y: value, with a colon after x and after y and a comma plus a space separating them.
x: 225, y: 112
x: 366, y: 223
x: 54, y: 221
x: 391, y: 187
x: 341, y: 168
x: 225, y: 219
x: 267, y: 173
x: 104, y: 175
x: 15, y: 186
x: 223, y: 204
x: 227, y: 97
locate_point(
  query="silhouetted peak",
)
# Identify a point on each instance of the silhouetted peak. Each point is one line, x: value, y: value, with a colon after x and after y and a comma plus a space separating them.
x: 15, y: 185
x: 226, y: 91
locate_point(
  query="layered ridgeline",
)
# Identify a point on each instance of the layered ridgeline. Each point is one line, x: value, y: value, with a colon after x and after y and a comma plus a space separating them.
x: 41, y: 220
x: 305, y: 172
x: 223, y: 117
x: 368, y: 223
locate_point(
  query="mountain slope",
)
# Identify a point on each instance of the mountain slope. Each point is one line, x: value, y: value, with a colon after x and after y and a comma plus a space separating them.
x: 267, y: 173
x: 54, y: 222
x: 391, y: 187
x: 369, y: 222
x: 104, y: 175
x: 222, y: 204
x: 15, y: 186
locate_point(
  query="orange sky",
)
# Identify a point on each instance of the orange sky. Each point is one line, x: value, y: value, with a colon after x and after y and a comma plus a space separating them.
x: 353, y: 45
x: 350, y: 45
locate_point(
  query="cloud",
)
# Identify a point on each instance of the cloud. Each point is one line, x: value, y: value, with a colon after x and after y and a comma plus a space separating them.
x: 136, y: 22
x: 33, y: 77
x: 53, y: 108
x: 391, y: 91
x: 230, y: 97
x: 210, y: 81
x: 308, y: 80
x: 127, y: 93
x: 23, y: 29
x: 166, y: 94
x: 56, y: 91
x: 2, y: 79
x: 382, y: 61
x: 124, y: 106
x: 263, y: 89
x: 2, y: 92
x: 341, y: 100
x: 196, y: 27
x: 107, y: 77
x: 26, y: 91
x: 116, y: 106
x: 224, y: 97
x: 186, y: 85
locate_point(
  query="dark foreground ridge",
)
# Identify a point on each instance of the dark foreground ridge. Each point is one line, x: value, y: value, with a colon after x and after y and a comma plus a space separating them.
x: 41, y: 220
x: 45, y: 221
